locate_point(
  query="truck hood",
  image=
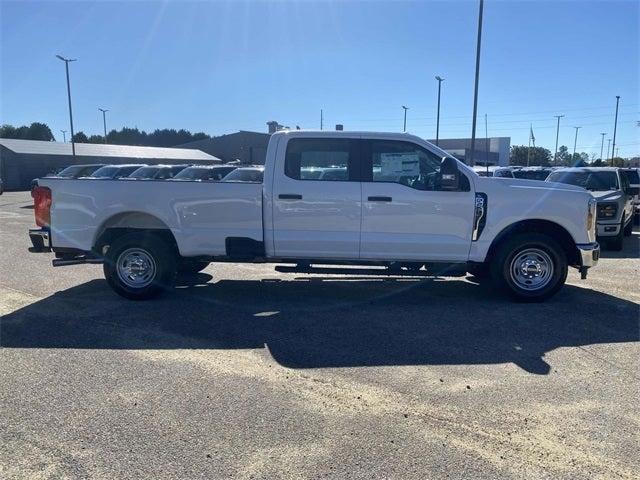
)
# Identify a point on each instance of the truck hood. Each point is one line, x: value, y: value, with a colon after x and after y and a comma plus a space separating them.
x: 609, y: 195
x: 518, y: 183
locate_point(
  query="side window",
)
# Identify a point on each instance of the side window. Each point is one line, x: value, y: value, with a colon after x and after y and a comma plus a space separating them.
x: 322, y: 159
x: 625, y: 181
x: 406, y: 163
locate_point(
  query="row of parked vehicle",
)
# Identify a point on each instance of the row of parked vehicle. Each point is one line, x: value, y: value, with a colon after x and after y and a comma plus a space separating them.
x: 193, y: 173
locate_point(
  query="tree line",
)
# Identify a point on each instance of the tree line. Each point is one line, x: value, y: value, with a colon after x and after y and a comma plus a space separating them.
x: 166, y: 137
x: 522, y: 155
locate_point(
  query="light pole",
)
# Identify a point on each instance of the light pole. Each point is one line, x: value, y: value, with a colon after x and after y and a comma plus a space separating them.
x: 608, y: 146
x: 575, y: 141
x: 555, y: 155
x: 602, y: 145
x: 66, y: 66
x: 321, y: 119
x: 440, y: 80
x: 104, y: 122
x: 64, y: 136
x: 615, y: 126
x: 404, y: 128
x: 475, y: 91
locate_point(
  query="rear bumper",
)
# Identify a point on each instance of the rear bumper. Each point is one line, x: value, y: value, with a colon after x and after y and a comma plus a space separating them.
x: 40, y: 240
x: 589, y: 254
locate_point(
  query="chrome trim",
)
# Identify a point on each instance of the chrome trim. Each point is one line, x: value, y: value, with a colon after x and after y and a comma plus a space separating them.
x: 479, y: 215
x: 589, y: 254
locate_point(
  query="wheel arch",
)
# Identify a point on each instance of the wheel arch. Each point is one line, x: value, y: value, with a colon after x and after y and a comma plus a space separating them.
x: 547, y: 227
x: 124, y: 223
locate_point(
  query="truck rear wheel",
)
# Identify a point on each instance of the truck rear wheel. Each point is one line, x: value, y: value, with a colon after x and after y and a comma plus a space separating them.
x: 530, y: 266
x: 139, y: 266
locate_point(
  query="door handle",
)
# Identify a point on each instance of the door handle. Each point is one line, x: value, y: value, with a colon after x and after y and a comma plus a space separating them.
x: 379, y: 199
x: 289, y: 196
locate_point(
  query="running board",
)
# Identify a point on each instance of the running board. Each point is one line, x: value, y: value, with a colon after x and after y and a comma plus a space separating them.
x: 63, y: 262
x: 388, y: 272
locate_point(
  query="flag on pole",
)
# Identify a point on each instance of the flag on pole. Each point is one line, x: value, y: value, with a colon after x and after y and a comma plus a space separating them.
x: 531, y: 136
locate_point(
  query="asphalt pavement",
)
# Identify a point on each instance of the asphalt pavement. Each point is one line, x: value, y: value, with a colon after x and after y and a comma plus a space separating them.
x: 244, y: 372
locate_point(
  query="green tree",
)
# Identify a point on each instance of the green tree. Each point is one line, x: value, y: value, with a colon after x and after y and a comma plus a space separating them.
x: 538, y: 156
x: 35, y: 131
x: 80, y: 137
x: 563, y: 157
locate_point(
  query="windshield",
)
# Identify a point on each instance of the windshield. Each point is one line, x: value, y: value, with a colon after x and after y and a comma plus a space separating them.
x: 71, y: 171
x: 594, y: 181
x: 145, y: 172
x: 105, y: 172
x: 245, y: 175
x: 203, y: 173
x: 532, y: 174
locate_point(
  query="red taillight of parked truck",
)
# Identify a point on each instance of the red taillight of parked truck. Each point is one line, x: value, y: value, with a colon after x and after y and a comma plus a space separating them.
x: 42, y: 205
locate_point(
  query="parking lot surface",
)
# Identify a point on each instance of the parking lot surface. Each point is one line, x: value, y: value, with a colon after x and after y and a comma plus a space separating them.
x: 244, y: 372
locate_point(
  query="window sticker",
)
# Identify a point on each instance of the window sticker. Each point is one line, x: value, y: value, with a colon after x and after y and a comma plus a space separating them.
x: 400, y: 164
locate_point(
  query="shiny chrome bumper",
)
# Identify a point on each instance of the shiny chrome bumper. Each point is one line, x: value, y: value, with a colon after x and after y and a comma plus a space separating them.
x: 589, y: 254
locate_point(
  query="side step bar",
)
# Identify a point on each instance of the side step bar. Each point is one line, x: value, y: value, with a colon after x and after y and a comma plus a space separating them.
x: 389, y: 272
x: 63, y: 262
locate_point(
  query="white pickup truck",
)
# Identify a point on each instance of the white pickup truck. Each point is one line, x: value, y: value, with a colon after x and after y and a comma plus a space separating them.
x: 327, y: 198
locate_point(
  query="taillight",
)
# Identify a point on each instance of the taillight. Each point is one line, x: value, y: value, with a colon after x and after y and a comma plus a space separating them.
x: 42, y: 205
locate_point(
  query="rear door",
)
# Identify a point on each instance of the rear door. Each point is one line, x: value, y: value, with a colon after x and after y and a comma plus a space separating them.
x: 317, y: 206
x: 405, y: 215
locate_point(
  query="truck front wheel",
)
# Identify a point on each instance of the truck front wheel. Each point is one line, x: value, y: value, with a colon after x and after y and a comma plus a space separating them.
x: 139, y: 266
x: 530, y: 266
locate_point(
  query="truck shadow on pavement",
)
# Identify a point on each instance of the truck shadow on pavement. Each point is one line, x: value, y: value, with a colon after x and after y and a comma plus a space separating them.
x: 317, y: 322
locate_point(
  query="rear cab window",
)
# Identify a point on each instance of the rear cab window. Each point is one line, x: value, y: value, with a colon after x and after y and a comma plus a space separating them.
x: 322, y: 159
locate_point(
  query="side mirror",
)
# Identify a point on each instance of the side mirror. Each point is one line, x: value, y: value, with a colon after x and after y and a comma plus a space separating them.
x: 449, y: 174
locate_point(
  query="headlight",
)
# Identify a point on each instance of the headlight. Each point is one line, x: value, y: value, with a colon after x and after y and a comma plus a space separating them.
x: 607, y: 210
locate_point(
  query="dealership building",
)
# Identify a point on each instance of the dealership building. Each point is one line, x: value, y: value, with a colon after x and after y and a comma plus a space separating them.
x: 23, y: 160
x: 251, y: 147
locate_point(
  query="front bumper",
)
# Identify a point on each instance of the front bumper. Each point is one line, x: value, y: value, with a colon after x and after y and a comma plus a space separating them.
x: 40, y: 239
x: 589, y: 254
x: 608, y: 229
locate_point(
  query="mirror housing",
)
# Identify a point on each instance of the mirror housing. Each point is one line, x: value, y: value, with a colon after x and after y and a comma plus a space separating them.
x: 449, y: 174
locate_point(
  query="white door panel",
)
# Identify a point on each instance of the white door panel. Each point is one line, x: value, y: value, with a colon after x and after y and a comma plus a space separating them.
x: 415, y: 224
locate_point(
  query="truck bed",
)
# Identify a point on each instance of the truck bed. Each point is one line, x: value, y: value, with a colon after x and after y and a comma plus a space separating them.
x: 201, y: 215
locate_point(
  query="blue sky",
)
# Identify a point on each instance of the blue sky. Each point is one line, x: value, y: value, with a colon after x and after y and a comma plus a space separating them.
x: 223, y: 66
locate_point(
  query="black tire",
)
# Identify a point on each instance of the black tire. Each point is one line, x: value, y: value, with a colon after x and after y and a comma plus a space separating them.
x: 542, y: 250
x: 616, y: 243
x: 628, y: 229
x: 146, y: 248
x: 188, y: 265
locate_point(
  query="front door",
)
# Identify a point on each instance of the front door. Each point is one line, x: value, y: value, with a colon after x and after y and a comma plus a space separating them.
x: 317, y: 203
x: 405, y: 215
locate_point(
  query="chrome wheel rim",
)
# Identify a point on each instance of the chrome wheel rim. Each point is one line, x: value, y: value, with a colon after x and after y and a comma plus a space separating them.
x: 136, y: 268
x: 531, y: 269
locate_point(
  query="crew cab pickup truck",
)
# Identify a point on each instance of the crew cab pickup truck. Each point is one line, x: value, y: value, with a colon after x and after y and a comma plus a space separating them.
x: 327, y: 198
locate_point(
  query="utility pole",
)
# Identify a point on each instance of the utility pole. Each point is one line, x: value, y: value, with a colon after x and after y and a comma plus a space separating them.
x: 404, y: 128
x: 104, y: 122
x: 66, y: 65
x: 529, y: 147
x: 475, y: 91
x: 608, y: 146
x: 321, y: 119
x: 440, y: 80
x: 64, y: 136
x: 486, y: 143
x: 615, y: 126
x: 575, y: 141
x: 602, y: 145
x: 555, y: 155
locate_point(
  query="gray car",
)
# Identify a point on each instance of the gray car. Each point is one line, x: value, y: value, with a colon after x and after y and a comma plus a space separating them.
x: 614, y: 195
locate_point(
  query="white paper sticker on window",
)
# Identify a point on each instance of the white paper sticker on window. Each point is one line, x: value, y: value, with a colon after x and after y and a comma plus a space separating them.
x: 399, y: 164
